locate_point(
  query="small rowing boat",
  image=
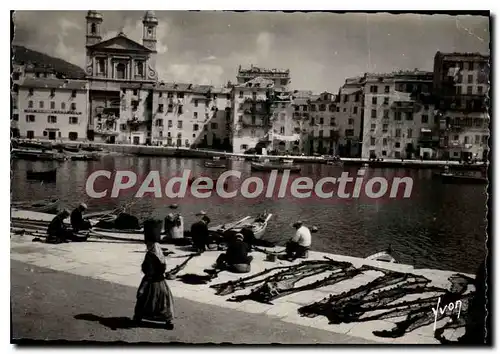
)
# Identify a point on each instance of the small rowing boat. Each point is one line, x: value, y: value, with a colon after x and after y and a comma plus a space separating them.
x: 71, y: 148
x: 45, y: 176
x: 91, y: 148
x: 36, y: 155
x: 463, y: 177
x: 258, y: 225
x: 85, y: 157
x: 215, y: 164
x: 41, y: 206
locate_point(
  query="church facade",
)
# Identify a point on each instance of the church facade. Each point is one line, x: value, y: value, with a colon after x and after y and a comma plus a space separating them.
x: 122, y: 76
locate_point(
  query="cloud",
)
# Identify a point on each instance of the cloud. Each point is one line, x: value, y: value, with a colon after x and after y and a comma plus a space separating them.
x: 209, y: 58
x: 65, y: 31
x: 264, y: 44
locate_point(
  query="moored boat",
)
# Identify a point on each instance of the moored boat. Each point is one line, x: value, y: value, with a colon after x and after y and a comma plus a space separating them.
x: 382, y: 257
x: 85, y: 157
x: 41, y: 206
x: 36, y: 155
x: 46, y: 176
x: 215, y: 164
x: 258, y: 225
x: 91, y: 148
x: 270, y: 166
x: 462, y: 177
x: 71, y: 148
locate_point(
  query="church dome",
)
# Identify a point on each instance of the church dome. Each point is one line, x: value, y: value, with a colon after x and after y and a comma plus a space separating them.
x: 150, y: 16
x: 94, y: 14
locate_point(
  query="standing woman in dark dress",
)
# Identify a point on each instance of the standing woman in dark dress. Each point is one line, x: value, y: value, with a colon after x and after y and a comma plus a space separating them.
x: 154, y: 298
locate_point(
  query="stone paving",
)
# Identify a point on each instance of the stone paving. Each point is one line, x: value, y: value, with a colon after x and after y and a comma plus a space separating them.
x: 119, y: 262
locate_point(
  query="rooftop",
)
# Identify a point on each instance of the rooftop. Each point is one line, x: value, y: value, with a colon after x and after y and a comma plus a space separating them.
x: 183, y: 87
x: 256, y: 70
x: 54, y: 83
x: 466, y: 54
x: 258, y: 82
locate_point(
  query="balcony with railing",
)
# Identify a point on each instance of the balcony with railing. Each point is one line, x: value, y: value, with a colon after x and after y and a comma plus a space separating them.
x: 136, y: 122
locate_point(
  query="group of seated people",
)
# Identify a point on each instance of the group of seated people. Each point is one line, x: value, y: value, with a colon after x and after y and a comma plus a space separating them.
x: 237, y: 260
x: 236, y: 257
x: 57, y: 231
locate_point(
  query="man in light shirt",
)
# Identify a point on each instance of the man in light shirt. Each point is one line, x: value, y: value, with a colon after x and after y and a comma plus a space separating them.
x: 300, y: 243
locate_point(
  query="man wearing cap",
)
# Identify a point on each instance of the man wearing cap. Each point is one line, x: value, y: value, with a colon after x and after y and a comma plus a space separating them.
x: 77, y: 221
x: 236, y: 258
x: 300, y: 243
x: 200, y: 234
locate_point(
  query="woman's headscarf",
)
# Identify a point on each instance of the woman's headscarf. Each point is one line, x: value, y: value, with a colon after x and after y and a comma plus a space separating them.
x: 155, y: 249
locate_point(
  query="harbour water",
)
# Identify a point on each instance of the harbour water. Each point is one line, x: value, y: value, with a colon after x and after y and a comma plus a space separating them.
x: 440, y: 226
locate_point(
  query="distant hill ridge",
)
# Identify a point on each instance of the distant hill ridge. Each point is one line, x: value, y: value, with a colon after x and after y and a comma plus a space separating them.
x: 23, y: 55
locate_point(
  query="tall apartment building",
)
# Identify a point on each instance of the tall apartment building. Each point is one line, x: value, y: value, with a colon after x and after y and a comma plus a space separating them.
x: 122, y: 74
x: 461, y: 84
x: 324, y: 131
x: 280, y: 78
x: 398, y: 115
x: 349, y: 117
x: 253, y: 106
x: 219, y: 127
x: 285, y: 130
x: 302, y: 120
x: 252, y: 114
x: 187, y: 115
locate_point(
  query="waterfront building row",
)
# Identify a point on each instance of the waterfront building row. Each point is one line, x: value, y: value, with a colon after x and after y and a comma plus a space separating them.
x: 439, y: 114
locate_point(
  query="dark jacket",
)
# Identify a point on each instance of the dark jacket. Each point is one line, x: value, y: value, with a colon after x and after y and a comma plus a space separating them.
x: 76, y: 220
x: 199, y: 230
x: 56, y: 228
x: 237, y: 253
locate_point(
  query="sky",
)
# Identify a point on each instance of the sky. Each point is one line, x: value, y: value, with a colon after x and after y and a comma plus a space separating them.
x: 320, y: 49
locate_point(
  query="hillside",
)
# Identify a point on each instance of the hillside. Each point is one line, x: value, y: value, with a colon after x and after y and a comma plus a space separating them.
x: 24, y: 55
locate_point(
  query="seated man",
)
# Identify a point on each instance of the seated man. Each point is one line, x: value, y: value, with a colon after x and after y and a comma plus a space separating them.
x: 57, y: 232
x: 236, y: 258
x: 200, y: 234
x: 77, y: 221
x: 300, y: 243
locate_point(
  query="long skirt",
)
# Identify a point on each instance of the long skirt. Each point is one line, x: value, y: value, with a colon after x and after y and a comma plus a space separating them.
x: 154, y: 301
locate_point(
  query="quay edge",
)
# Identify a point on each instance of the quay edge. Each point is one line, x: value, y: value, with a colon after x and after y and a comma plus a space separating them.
x: 181, y: 152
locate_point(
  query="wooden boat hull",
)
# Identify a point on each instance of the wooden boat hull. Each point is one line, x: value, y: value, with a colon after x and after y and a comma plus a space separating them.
x: 258, y: 227
x: 91, y: 148
x: 335, y: 163
x: 36, y: 155
x: 382, y: 257
x: 215, y: 165
x: 41, y: 206
x: 71, y: 149
x: 262, y: 167
x: 84, y: 158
